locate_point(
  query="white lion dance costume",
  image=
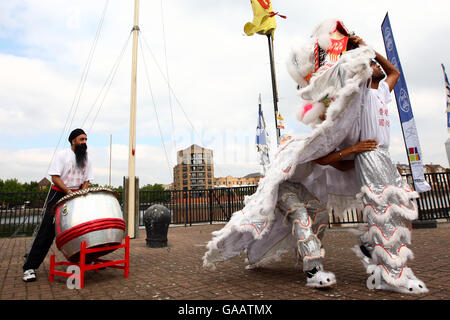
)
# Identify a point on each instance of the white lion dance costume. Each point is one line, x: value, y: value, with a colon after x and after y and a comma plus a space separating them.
x: 290, y: 208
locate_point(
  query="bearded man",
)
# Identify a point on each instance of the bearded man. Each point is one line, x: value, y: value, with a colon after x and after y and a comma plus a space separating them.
x: 70, y: 171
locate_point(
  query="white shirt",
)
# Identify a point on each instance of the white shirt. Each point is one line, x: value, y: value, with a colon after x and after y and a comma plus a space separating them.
x: 375, y: 122
x: 64, y: 166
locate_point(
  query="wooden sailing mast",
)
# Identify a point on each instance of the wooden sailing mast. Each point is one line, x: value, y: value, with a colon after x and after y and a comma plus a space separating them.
x: 131, y: 195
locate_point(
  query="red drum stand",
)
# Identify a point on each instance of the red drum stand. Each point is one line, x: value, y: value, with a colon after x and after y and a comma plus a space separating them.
x: 96, y: 263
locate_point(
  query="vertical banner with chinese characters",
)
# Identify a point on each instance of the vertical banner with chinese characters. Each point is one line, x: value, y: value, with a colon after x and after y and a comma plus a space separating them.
x: 405, y: 112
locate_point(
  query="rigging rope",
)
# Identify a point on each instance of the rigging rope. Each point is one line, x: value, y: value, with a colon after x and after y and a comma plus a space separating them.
x: 80, y: 85
x: 173, y: 93
x: 154, y: 106
x: 89, y: 61
x: 168, y: 83
x: 78, y: 93
x: 109, y: 79
x: 168, y: 79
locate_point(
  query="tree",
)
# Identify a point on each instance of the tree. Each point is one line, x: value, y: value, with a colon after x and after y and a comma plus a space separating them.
x: 154, y: 193
x: 32, y: 186
x: 154, y: 187
x: 12, y: 185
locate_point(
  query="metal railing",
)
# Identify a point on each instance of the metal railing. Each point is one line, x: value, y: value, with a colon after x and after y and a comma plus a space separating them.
x: 196, y: 206
x: 21, y: 212
x: 433, y: 204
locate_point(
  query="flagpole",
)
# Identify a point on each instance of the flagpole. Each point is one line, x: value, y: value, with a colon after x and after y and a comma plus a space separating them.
x: 132, y: 142
x: 274, y: 85
x: 110, y: 157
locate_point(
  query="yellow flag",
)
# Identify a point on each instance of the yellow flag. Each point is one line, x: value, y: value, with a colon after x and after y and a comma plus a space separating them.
x: 263, y: 18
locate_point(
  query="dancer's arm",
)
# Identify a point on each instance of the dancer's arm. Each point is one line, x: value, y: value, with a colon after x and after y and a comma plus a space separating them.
x: 392, y: 73
x: 336, y: 158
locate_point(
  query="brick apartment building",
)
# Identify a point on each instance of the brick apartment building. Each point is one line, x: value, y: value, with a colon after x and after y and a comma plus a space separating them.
x: 229, y: 181
x: 194, y: 169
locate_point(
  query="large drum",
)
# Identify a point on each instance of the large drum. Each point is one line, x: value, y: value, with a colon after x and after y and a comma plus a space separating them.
x: 93, y: 215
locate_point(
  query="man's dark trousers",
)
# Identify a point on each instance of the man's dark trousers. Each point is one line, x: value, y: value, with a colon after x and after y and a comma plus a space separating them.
x: 45, y: 235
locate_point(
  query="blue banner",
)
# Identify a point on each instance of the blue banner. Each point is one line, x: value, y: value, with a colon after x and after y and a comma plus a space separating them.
x: 409, y: 129
x: 262, y: 139
x: 447, y: 91
x: 448, y: 121
x: 401, y: 91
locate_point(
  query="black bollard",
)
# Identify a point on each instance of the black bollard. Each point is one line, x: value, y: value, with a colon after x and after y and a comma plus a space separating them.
x: 156, y: 220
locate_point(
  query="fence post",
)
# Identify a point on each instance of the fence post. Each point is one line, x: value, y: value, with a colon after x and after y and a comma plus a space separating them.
x: 421, y: 223
x: 211, y: 211
x: 189, y: 210
x: 229, y: 204
x: 185, y: 195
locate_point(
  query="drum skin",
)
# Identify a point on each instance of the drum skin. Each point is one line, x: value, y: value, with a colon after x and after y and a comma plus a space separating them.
x: 93, y: 215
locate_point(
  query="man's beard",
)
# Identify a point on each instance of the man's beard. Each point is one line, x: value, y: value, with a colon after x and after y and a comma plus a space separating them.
x: 80, y: 155
x: 378, y: 76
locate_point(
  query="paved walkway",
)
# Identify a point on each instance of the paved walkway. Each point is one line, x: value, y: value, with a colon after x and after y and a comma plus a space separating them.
x: 176, y: 273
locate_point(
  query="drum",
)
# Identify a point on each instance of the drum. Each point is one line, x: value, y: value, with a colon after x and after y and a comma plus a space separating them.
x: 93, y: 215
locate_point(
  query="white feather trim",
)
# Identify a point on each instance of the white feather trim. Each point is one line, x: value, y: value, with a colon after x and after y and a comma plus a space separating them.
x: 300, y: 62
x: 298, y: 153
x: 339, y: 205
x: 380, y: 217
x: 382, y: 255
x: 389, y: 194
x: 376, y: 234
x: 322, y: 32
x: 309, y: 113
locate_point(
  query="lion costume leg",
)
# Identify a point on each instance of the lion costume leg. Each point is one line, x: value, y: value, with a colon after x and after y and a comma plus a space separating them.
x: 389, y: 208
x: 309, y: 219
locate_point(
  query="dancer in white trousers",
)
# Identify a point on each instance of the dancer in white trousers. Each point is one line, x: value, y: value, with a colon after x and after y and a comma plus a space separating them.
x: 389, y: 203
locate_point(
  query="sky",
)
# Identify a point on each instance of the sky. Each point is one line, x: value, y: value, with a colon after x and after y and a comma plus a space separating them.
x: 199, y: 78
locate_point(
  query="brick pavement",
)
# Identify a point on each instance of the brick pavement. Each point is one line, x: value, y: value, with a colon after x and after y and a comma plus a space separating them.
x: 176, y: 273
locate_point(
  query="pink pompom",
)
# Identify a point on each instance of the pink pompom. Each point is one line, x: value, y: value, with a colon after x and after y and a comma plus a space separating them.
x: 310, y: 112
x: 306, y: 108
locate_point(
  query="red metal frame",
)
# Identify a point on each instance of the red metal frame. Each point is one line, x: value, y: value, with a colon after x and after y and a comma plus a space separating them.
x: 98, y: 263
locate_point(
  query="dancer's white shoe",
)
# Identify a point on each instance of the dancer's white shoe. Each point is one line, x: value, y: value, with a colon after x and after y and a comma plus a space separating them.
x: 320, y: 279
